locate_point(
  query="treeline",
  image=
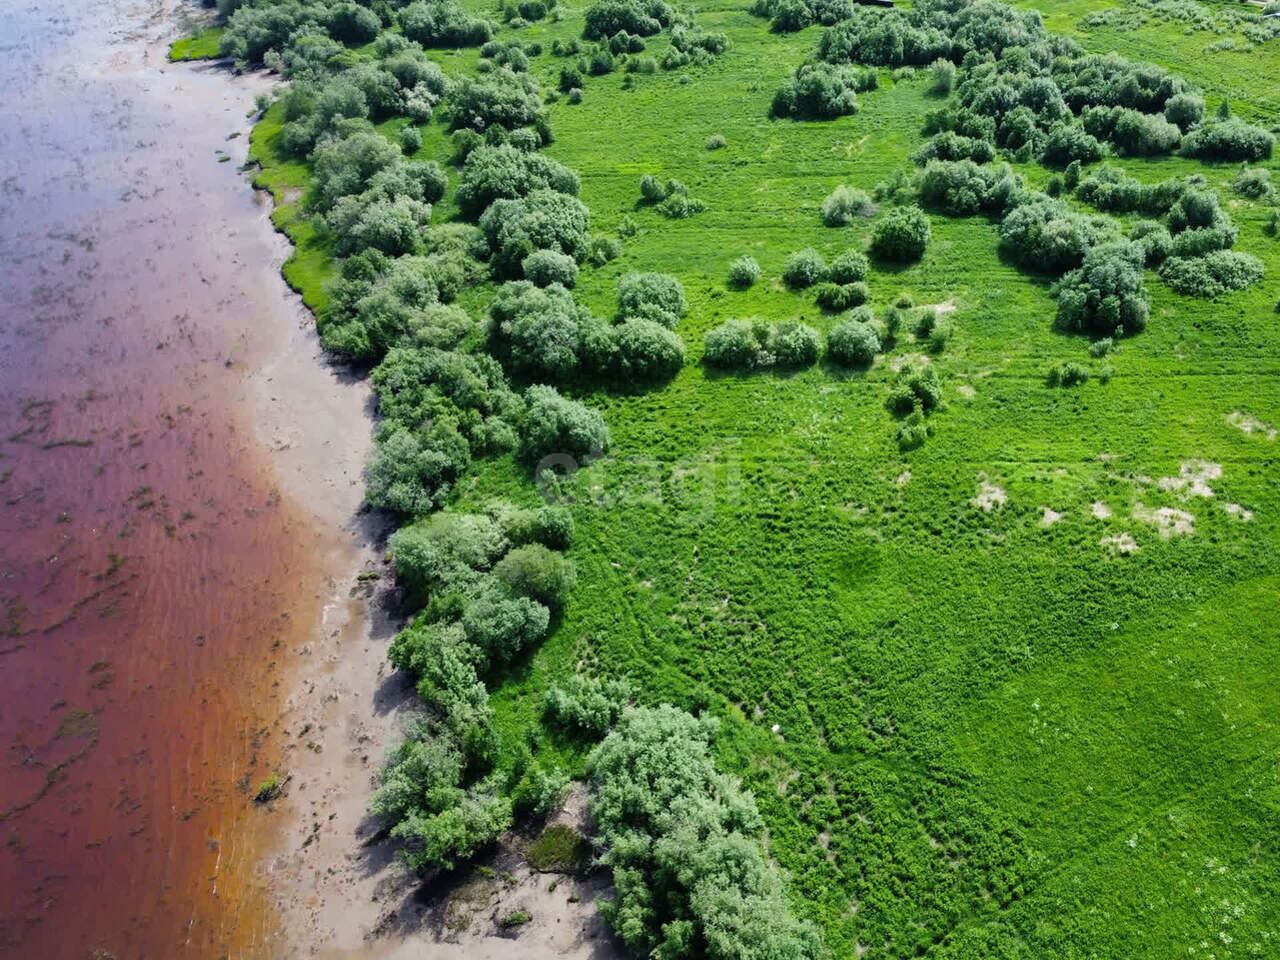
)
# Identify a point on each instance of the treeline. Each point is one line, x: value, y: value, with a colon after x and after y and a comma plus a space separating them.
x: 487, y: 586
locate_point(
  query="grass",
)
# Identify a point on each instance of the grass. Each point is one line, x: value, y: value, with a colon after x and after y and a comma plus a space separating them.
x: 559, y: 849
x: 994, y: 737
x: 201, y: 45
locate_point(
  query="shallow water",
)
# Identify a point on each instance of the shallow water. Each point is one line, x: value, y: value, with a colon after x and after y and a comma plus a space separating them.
x: 154, y: 572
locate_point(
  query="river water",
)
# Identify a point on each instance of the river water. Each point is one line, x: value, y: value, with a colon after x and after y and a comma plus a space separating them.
x: 171, y: 498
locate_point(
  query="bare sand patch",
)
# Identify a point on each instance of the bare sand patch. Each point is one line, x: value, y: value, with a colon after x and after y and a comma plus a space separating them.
x: 1120, y: 543
x: 1100, y: 510
x: 903, y: 478
x: 1250, y: 424
x: 1193, y: 478
x: 966, y: 391
x: 1169, y: 521
x: 1244, y: 513
x: 989, y: 496
x: 1050, y: 517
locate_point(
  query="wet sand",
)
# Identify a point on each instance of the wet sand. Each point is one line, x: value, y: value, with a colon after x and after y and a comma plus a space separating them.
x: 179, y: 481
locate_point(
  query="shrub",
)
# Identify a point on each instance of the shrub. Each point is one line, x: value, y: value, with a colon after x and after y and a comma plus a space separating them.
x: 743, y: 272
x: 544, y: 332
x: 1068, y: 374
x: 602, y: 250
x: 942, y: 77
x: 836, y: 297
x: 804, y: 268
x: 551, y: 524
x: 1184, y: 109
x: 852, y: 344
x: 848, y: 267
x: 794, y: 344
x: 503, y: 99
x: 502, y: 625
x: 677, y: 832
x: 1230, y: 140
x: 505, y: 172
x: 962, y: 187
x: 543, y: 220
x: 652, y: 189
x: 916, y: 387
x: 411, y: 473
x: 1046, y: 235
x: 556, y: 425
x: 644, y: 294
x: 949, y: 145
x: 587, y: 704
x: 545, y: 267
x: 716, y: 142
x: 410, y: 139
x: 735, y: 344
x: 1254, y: 183
x: 1212, y: 275
x: 843, y: 204
x: 1067, y: 144
x: 443, y: 23
x: 542, y: 575
x: 818, y: 91
x: 1105, y: 294
x: 642, y: 18
x: 678, y: 206
x: 1154, y: 239
x: 647, y: 351
x: 901, y: 235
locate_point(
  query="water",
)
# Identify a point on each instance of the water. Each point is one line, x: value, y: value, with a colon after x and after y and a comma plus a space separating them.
x: 155, y: 572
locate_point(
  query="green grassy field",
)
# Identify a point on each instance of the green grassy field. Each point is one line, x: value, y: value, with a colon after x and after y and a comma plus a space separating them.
x: 202, y: 45
x: 972, y: 732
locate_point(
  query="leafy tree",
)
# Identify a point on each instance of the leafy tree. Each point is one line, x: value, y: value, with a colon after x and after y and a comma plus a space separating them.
x: 545, y: 267
x: 1105, y: 296
x: 852, y: 344
x: 743, y: 272
x: 642, y: 18
x: 556, y: 425
x: 1212, y: 275
x: 587, y: 704
x: 844, y: 204
x: 646, y: 351
x: 503, y: 99
x: 848, y: 267
x: 818, y: 91
x: 901, y: 234
x: 654, y: 296
x: 1229, y: 140
x: 543, y: 220
x: 443, y: 23
x: 540, y: 574
x: 505, y: 172
x: 804, y: 268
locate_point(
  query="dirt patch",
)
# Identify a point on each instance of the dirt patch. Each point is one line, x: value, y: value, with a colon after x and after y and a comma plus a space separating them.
x: 1050, y: 517
x: 1120, y: 543
x: 1250, y: 424
x: 1100, y: 510
x: 1243, y: 513
x: 1169, y: 521
x: 903, y: 478
x: 1193, y: 478
x: 989, y: 497
x: 966, y: 391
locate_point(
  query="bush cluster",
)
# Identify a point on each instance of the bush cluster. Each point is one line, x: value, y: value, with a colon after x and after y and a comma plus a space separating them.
x: 587, y: 705
x: 505, y: 172
x: 844, y: 204
x: 683, y: 843
x: 1105, y: 295
x: 821, y: 91
x: 754, y: 344
x: 901, y: 235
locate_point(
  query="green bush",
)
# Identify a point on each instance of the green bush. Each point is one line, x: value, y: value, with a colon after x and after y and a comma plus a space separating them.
x: 743, y: 272
x: 587, y: 704
x: 537, y: 573
x: 901, y: 235
x: 852, y: 343
x: 543, y: 220
x: 844, y: 204
x: 655, y: 296
x: 804, y: 268
x: 545, y: 267
x: 443, y: 23
x: 794, y: 344
x: 1105, y: 295
x: 1212, y: 275
x: 818, y: 91
x: 1229, y: 140
x: 505, y: 172
x: 556, y: 425
x: 942, y: 77
x: 837, y: 297
x: 848, y: 267
x: 646, y: 351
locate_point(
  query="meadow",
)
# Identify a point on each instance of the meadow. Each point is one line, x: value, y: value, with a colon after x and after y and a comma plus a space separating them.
x: 1010, y: 694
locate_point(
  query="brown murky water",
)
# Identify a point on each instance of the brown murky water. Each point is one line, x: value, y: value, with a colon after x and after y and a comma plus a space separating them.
x: 152, y: 576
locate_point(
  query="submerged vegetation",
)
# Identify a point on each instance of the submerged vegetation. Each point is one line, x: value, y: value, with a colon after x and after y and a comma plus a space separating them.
x: 842, y: 436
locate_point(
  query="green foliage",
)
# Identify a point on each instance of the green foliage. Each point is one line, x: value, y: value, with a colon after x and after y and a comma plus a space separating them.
x: 838, y: 297
x: 542, y: 268
x: 504, y: 172
x: 743, y: 272
x: 543, y: 220
x: 1105, y: 296
x: 942, y: 77
x: 556, y: 426
x: 1068, y: 374
x: 1213, y: 274
x: 819, y: 91
x: 681, y: 840
x: 652, y: 296
x: 537, y: 573
x: 642, y: 18
x: 804, y: 268
x: 751, y: 344
x: 844, y: 204
x: 852, y: 343
x: 901, y: 235
x: 1229, y: 140
x: 559, y: 849
x: 443, y: 23
x: 587, y: 705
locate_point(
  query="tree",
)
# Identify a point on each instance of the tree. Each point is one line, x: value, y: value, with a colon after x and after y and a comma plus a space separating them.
x: 537, y: 573
x: 902, y: 234
x: 543, y: 220
x: 804, y: 268
x: 647, y: 351
x: 653, y: 296
x: 852, y: 344
x: 844, y: 204
x: 556, y: 425
x: 743, y: 272
x: 1105, y: 296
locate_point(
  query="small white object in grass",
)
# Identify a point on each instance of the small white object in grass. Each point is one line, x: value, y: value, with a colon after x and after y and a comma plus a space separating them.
x: 1101, y: 510
x: 776, y: 728
x: 989, y: 496
x: 1050, y: 517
